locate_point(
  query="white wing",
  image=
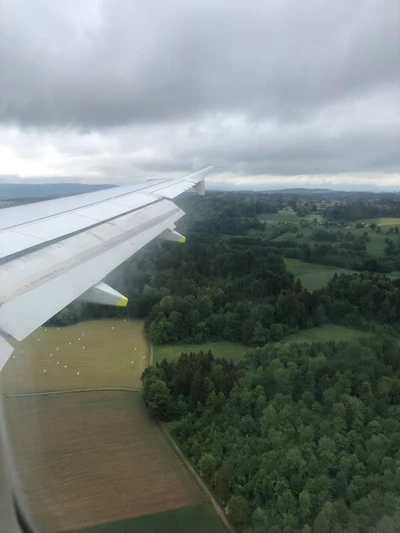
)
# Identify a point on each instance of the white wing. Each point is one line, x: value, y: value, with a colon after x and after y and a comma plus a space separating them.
x: 56, y: 251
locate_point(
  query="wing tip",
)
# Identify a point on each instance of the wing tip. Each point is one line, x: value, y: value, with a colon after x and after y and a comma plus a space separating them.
x: 122, y: 302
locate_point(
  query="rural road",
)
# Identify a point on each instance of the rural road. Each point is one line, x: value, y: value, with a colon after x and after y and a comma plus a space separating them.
x: 218, y: 510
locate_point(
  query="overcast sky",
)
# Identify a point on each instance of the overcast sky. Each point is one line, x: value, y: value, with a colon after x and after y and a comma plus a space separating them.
x: 267, y: 91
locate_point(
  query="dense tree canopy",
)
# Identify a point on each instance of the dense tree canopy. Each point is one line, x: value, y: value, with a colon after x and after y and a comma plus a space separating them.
x: 299, y: 437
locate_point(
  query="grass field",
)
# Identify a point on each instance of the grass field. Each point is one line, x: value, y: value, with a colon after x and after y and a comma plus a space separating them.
x: 229, y: 350
x: 284, y: 215
x: 288, y: 215
x: 326, y: 333
x: 375, y: 245
x: 93, y: 458
x: 383, y: 221
x: 196, y: 519
x: 292, y: 236
x: 93, y: 354
x: 313, y: 276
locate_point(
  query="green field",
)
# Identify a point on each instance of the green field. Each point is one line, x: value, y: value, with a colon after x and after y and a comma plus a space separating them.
x: 196, y: 519
x: 288, y: 215
x: 284, y: 215
x: 88, y: 355
x: 292, y: 236
x: 311, y: 275
x: 330, y: 332
x: 375, y: 245
x: 229, y: 350
x: 383, y: 221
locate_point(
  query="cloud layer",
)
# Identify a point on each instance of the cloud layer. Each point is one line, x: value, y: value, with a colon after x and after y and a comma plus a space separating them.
x: 257, y: 88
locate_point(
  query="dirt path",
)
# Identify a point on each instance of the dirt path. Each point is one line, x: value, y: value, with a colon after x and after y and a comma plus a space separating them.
x: 218, y: 510
x: 151, y: 348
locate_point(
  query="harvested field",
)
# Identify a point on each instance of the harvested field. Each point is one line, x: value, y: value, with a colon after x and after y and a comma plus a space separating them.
x: 93, y: 458
x: 88, y: 355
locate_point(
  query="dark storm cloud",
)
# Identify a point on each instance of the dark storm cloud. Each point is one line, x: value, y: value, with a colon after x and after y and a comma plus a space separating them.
x: 308, y: 64
x: 158, y: 61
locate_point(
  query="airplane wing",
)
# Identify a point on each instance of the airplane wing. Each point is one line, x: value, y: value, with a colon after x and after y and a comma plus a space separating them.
x: 55, y: 251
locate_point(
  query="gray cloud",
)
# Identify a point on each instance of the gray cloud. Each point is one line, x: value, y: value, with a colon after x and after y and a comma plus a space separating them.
x: 255, y: 87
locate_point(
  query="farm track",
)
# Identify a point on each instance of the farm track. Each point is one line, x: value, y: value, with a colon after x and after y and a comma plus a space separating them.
x: 165, y: 431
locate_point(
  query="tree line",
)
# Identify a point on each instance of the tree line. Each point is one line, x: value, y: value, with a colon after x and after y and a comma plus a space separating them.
x: 358, y: 208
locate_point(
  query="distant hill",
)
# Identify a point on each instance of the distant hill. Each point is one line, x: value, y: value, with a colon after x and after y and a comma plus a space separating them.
x: 303, y: 190
x: 32, y: 192
x: 329, y: 193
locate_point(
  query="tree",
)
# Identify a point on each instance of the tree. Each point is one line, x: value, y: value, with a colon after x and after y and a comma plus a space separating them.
x: 305, y: 503
x: 157, y: 398
x: 326, y: 519
x: 207, y: 465
x: 222, y: 480
x: 167, y: 305
x: 238, y: 510
x: 276, y: 332
x: 260, y: 335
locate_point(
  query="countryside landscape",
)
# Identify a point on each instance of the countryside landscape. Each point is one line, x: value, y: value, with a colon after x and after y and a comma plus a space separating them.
x: 230, y: 171
x: 285, y: 402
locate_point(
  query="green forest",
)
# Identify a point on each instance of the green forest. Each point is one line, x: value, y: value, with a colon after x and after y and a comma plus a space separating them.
x: 295, y: 436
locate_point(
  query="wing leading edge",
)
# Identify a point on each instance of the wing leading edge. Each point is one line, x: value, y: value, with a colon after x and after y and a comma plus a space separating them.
x: 56, y: 251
